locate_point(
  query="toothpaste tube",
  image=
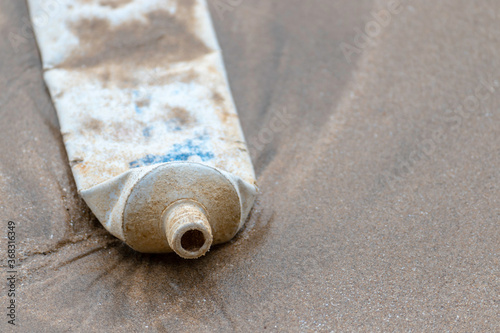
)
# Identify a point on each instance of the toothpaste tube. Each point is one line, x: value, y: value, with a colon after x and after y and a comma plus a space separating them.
x: 148, y: 121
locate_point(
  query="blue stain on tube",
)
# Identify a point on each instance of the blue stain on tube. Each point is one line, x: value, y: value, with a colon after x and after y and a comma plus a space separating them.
x: 179, y: 152
x: 146, y: 132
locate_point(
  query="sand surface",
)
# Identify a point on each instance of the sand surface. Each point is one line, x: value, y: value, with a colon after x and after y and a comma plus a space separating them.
x: 380, y: 203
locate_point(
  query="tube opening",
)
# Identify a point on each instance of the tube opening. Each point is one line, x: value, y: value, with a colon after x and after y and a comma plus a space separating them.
x: 187, y: 229
x: 192, y: 240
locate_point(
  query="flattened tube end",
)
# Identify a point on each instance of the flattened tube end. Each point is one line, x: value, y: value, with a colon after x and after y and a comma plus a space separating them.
x: 186, y: 226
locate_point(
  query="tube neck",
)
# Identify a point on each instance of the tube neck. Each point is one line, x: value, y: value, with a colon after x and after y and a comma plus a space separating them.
x: 186, y: 226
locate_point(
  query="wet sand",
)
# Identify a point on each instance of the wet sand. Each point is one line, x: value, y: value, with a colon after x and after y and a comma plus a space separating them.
x: 380, y: 198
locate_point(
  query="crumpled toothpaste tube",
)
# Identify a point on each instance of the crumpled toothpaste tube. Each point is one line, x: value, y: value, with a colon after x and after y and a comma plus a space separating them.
x: 147, y: 118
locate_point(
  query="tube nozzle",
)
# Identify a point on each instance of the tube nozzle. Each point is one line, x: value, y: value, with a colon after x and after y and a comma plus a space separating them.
x: 187, y: 229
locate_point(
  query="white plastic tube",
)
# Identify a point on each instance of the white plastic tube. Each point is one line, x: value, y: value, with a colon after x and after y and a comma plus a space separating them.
x: 148, y: 121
